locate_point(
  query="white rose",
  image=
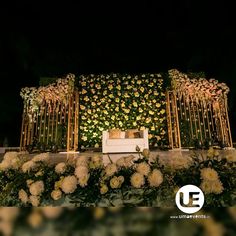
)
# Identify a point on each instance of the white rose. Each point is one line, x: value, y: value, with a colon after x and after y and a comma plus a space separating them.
x: 36, y: 188
x: 60, y: 168
x: 4, y: 165
x: 23, y: 196
x: 110, y: 169
x: 9, y: 156
x: 83, y: 180
x: 137, y: 180
x: 82, y: 161
x: 81, y: 171
x: 28, y: 166
x: 56, y: 194
x: 43, y: 157
x: 143, y: 168
x: 69, y: 184
x: 34, y: 200
x: 155, y: 178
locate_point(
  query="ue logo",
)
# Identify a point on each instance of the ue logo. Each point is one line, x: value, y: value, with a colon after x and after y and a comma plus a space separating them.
x: 189, y: 199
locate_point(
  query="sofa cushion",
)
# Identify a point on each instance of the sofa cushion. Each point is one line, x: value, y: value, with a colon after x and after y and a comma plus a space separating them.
x: 130, y: 133
x: 114, y: 133
x: 137, y: 134
x: 120, y: 142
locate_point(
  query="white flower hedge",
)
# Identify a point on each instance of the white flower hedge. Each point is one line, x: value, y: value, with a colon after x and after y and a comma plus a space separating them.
x: 121, y: 101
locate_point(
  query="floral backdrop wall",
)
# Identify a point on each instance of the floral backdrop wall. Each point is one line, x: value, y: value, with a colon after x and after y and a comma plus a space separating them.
x: 124, y: 102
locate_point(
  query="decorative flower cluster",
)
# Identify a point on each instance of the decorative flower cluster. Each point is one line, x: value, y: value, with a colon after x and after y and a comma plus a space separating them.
x: 210, y: 181
x: 121, y: 101
x: 201, y: 89
x: 143, y: 173
x: 38, y: 181
x: 81, y: 171
x: 57, y: 92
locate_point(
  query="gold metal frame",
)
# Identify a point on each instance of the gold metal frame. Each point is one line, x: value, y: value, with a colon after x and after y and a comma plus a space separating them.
x: 204, y: 119
x: 45, y: 121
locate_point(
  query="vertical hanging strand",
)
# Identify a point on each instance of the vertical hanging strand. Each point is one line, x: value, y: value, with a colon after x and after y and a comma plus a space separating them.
x: 199, y: 120
x: 77, y: 121
x: 178, y: 140
x: 211, y: 116
x: 69, y: 126
x: 57, y: 112
x: 190, y: 118
x: 180, y: 109
x: 41, y: 123
x: 227, y: 119
x: 226, y: 127
x: 218, y: 125
x: 188, y: 114
x: 203, y: 119
x: 168, y: 108
x: 70, y: 114
x: 173, y: 119
x: 53, y: 120
x: 25, y: 133
x: 72, y: 122
x: 60, y: 118
x: 208, y: 122
x: 29, y: 130
x: 44, y: 121
x: 26, y: 127
x: 65, y: 117
x: 224, y: 121
x: 179, y: 99
x: 221, y: 125
x: 202, y: 112
x: 22, y: 128
x: 173, y: 116
x: 61, y: 113
x: 32, y: 128
x: 48, y: 122
x: 36, y: 124
x: 194, y: 117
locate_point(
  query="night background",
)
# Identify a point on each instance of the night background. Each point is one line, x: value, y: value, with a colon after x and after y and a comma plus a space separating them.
x: 51, y: 41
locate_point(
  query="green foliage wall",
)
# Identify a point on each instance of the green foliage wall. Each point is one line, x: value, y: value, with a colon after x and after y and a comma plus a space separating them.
x: 122, y: 101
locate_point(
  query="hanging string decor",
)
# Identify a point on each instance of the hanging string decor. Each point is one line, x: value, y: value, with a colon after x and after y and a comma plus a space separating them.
x: 201, y: 106
x: 49, y: 115
x: 193, y: 110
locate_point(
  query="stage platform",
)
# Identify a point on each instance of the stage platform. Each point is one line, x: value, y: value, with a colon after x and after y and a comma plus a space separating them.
x: 164, y: 155
x: 107, y: 158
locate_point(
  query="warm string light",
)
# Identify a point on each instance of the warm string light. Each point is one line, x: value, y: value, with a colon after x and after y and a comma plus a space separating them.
x: 205, y: 101
x: 204, y: 110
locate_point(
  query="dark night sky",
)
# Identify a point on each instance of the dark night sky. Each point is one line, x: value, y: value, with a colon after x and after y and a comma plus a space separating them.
x: 38, y: 41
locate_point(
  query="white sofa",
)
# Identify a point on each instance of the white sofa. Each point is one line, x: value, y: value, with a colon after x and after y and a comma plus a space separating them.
x: 122, y: 145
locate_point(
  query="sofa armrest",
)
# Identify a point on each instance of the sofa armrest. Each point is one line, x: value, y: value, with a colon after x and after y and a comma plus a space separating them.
x: 145, y: 136
x: 105, y: 135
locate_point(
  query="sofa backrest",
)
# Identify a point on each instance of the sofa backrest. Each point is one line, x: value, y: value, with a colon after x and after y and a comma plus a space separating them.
x: 122, y: 136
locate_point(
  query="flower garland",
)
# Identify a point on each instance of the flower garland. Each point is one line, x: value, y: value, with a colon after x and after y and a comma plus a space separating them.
x: 201, y: 89
x: 58, y: 92
x: 132, y: 181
